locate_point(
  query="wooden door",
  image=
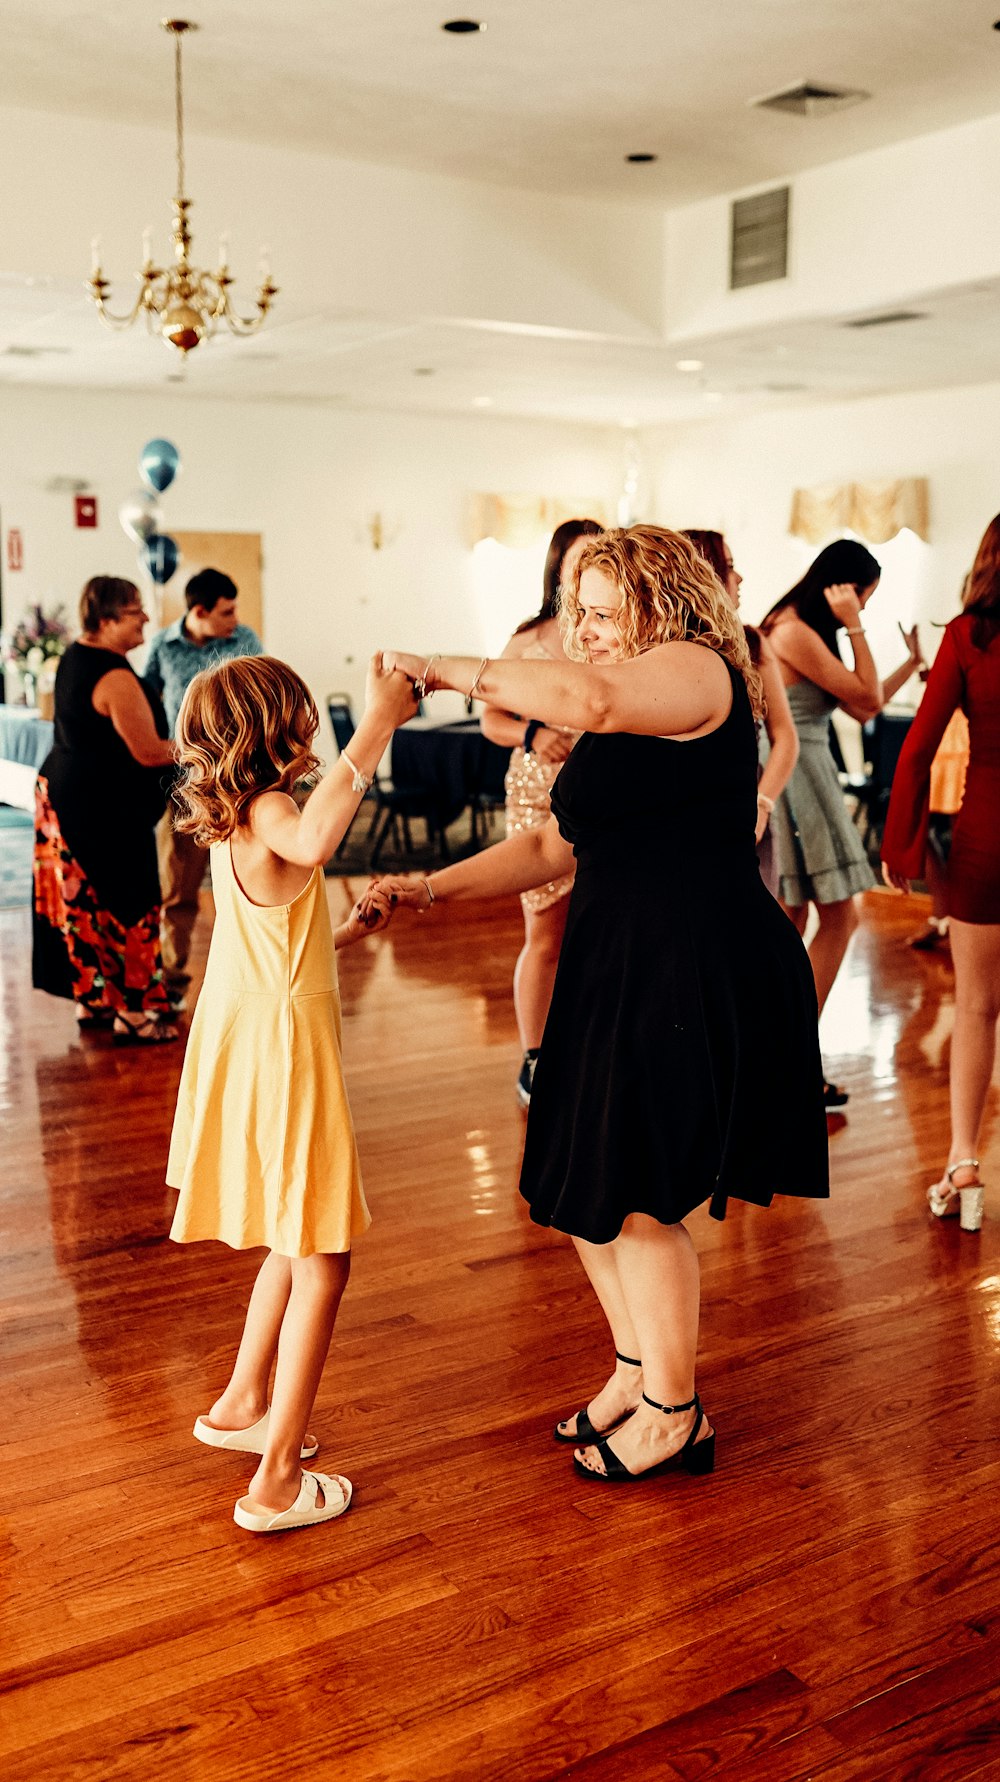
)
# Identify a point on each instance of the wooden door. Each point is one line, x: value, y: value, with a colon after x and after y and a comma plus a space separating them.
x: 237, y: 554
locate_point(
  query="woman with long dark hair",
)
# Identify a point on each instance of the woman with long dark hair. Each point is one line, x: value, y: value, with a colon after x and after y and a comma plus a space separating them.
x: 539, y: 751
x: 821, y: 859
x: 965, y: 676
x: 777, y: 724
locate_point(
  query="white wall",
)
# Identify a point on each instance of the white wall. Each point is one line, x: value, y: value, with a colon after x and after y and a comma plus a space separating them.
x: 873, y: 230
x: 308, y: 478
x: 738, y: 476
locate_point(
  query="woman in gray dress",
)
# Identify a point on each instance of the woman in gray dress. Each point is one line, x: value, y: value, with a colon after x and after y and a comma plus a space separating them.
x: 821, y: 859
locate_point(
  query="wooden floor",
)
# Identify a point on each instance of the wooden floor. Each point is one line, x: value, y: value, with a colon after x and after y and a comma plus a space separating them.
x: 826, y: 1606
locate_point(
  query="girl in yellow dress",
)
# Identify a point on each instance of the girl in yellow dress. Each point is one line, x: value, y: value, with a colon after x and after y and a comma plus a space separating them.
x: 263, y: 1148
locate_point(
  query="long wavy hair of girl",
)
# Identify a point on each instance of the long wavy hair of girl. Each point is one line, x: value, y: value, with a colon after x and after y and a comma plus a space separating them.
x: 564, y: 535
x: 244, y: 727
x: 669, y: 594
x: 846, y: 560
x: 982, y: 594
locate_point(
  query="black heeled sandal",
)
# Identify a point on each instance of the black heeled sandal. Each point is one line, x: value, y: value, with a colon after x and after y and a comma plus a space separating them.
x: 586, y: 1435
x: 697, y: 1458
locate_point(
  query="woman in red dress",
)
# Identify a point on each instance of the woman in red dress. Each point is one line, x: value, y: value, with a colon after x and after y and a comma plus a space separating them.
x: 965, y: 675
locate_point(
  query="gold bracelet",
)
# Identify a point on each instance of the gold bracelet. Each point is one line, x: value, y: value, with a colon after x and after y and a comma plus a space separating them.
x: 430, y: 892
x: 477, y: 677
x: 855, y: 630
x: 766, y: 803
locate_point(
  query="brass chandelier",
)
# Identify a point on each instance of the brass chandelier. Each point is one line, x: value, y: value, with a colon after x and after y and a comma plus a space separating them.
x: 181, y: 303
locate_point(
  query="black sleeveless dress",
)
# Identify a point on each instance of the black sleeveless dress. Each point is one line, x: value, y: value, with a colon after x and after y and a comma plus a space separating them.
x: 680, y: 1061
x: 97, y: 887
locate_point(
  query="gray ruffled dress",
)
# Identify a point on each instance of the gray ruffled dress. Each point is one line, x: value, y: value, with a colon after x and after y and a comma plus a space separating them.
x: 820, y: 854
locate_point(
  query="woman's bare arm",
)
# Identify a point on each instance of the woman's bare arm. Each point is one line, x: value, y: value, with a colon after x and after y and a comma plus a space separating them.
x: 675, y: 689
x: 518, y: 864
x: 780, y: 726
x: 118, y: 695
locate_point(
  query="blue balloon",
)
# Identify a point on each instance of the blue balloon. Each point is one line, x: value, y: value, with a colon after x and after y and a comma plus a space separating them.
x: 159, y: 462
x: 161, y: 555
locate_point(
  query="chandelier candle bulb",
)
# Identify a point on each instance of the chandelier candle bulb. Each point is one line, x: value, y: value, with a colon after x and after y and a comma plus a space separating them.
x: 147, y: 246
x: 95, y: 253
x: 223, y: 252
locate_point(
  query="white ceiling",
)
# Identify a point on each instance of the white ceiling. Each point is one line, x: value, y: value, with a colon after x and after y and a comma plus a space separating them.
x: 50, y: 335
x: 551, y: 96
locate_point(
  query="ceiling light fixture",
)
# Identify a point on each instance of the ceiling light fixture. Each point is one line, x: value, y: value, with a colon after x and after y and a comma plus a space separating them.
x: 690, y: 365
x: 181, y: 303
x: 641, y: 160
x: 463, y: 27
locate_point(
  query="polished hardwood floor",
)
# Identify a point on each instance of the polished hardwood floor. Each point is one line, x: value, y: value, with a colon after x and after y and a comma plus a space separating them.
x: 827, y: 1605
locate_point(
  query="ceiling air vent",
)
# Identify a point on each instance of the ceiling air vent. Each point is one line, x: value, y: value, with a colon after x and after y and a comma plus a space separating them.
x: 890, y: 316
x: 758, y: 244
x: 810, y: 99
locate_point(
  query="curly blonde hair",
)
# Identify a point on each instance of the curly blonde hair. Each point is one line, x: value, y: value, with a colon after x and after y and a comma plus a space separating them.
x: 669, y: 593
x: 244, y: 727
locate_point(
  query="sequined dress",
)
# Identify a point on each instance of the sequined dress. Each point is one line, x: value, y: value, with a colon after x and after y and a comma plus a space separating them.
x: 528, y: 785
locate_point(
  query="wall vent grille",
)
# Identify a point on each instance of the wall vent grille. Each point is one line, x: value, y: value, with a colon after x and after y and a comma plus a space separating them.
x: 758, y: 240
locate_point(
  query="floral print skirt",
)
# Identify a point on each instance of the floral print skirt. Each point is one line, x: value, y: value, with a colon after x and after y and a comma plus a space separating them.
x: 80, y: 950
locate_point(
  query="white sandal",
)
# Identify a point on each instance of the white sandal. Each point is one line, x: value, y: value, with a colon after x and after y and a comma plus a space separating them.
x: 244, y: 1441
x: 304, y: 1511
x: 945, y: 1200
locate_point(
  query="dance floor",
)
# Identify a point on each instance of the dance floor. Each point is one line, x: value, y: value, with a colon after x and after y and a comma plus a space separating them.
x: 827, y: 1605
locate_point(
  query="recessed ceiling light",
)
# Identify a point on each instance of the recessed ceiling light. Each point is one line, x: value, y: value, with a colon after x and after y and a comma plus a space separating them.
x: 641, y: 160
x: 423, y: 371
x: 482, y: 402
x: 463, y: 27
x: 713, y: 395
x: 690, y: 365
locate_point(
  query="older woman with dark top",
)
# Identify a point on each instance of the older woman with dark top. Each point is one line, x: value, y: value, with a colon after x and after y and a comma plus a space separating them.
x: 101, y: 791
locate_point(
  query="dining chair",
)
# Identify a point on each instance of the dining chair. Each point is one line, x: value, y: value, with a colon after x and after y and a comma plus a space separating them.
x: 391, y: 806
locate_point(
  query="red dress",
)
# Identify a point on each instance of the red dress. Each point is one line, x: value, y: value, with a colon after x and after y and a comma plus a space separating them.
x: 966, y: 677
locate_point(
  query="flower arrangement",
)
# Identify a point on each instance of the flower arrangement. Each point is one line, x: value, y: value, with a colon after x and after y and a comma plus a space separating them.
x: 40, y: 638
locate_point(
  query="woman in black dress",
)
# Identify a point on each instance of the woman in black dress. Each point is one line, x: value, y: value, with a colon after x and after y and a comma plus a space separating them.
x: 101, y: 790
x: 680, y: 1060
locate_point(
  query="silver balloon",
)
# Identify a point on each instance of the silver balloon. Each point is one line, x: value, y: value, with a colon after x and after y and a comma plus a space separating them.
x: 140, y: 515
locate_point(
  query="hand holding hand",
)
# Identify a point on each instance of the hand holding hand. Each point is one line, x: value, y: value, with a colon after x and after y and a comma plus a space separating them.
x: 370, y: 915
x: 842, y: 599
x: 389, y: 690
x: 400, y: 892
x: 400, y: 661
x: 551, y: 746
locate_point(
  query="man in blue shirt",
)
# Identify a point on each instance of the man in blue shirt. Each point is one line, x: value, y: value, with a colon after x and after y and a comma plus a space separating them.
x: 209, y: 632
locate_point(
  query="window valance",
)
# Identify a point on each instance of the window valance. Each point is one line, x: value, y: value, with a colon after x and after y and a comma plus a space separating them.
x: 875, y: 511
x: 520, y: 521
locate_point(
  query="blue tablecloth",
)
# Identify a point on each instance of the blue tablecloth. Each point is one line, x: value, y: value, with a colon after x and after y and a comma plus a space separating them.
x: 24, y: 736
x: 451, y: 764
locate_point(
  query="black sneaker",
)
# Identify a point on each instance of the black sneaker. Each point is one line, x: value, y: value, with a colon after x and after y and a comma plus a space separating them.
x: 526, y: 1078
x: 834, y: 1097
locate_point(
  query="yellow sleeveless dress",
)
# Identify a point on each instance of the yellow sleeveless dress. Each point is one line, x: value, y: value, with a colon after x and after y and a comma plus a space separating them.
x: 263, y: 1147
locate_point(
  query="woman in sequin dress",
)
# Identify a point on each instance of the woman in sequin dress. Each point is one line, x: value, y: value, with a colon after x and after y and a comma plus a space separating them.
x: 539, y: 751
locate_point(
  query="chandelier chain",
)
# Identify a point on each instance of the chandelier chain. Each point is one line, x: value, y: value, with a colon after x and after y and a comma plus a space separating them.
x: 179, y: 114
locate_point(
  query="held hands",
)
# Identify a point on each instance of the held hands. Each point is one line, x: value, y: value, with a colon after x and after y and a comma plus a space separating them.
x: 397, y: 892
x: 398, y: 662
x: 370, y: 915
x: 389, y: 690
x: 842, y: 599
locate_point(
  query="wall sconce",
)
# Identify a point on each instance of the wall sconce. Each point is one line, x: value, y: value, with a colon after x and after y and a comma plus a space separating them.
x: 379, y: 533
